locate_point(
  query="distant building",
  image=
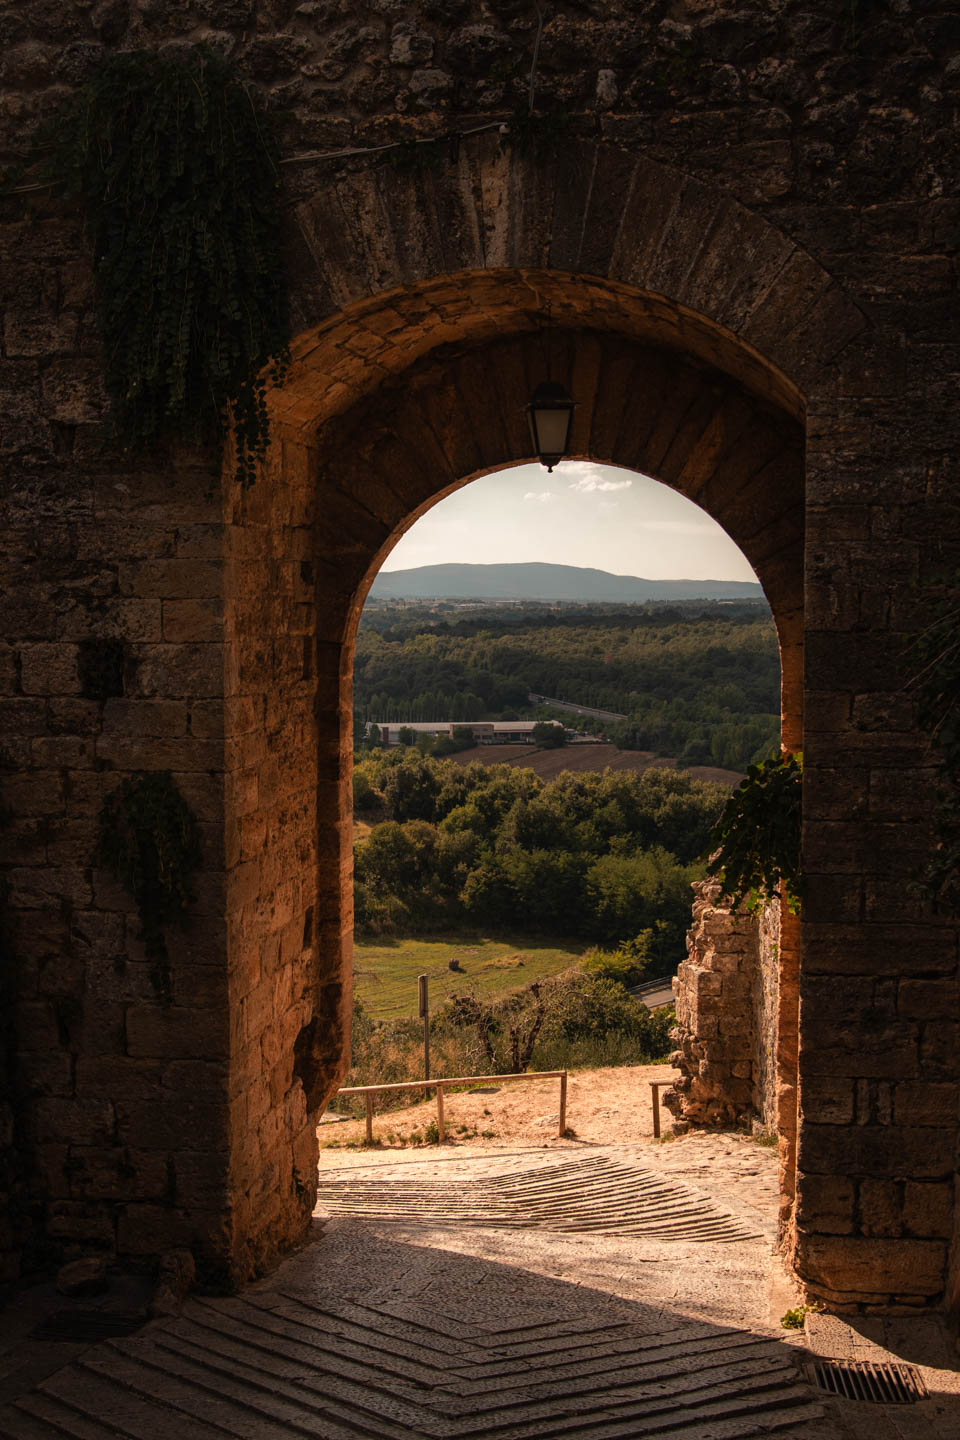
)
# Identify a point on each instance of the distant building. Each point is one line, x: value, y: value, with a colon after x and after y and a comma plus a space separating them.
x: 485, y: 732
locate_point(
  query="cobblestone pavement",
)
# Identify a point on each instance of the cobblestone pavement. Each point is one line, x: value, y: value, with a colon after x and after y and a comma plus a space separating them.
x: 487, y: 1295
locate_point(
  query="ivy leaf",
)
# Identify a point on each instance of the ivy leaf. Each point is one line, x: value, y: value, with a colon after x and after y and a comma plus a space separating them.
x: 757, y: 838
x: 175, y: 162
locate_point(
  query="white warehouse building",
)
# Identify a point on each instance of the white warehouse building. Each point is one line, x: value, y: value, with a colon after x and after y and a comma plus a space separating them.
x: 485, y: 732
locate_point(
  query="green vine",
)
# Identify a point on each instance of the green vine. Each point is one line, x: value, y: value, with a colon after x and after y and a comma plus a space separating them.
x: 934, y: 658
x: 176, y: 166
x: 150, y: 840
x: 757, y: 838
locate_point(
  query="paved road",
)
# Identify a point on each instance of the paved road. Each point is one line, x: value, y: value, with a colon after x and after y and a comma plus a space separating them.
x: 575, y: 709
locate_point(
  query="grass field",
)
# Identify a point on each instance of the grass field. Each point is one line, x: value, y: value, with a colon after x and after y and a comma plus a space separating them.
x: 385, y: 972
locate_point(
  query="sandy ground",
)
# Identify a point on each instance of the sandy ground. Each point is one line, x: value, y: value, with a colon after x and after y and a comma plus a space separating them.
x: 609, y: 1106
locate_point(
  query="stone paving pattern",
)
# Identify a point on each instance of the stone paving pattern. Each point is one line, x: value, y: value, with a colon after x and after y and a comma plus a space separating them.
x: 423, y: 1328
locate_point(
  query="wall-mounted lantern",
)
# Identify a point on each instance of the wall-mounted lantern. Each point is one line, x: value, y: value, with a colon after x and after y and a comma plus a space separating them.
x: 550, y: 412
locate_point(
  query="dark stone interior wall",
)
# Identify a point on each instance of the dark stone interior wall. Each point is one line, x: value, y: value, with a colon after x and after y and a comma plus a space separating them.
x: 834, y: 125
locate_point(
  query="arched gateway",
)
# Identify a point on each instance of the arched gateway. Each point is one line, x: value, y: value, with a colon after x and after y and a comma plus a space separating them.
x: 704, y: 347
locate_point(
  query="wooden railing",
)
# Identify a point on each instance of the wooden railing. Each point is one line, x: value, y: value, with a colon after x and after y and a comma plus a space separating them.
x: 368, y: 1092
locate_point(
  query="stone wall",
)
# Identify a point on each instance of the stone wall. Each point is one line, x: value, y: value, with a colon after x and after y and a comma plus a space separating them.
x: 727, y: 999
x: 758, y: 200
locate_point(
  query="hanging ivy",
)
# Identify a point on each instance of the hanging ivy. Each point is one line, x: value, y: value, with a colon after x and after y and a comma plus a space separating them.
x: 757, y: 838
x: 177, y: 169
x: 149, y: 839
x: 934, y: 659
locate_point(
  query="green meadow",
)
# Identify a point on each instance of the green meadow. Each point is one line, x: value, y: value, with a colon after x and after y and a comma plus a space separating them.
x: 385, y: 972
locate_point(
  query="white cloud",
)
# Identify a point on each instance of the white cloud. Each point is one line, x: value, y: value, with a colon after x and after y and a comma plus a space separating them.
x: 591, y: 482
x: 543, y: 496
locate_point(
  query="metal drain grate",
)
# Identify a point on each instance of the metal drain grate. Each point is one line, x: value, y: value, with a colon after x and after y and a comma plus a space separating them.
x: 884, y: 1384
x: 89, y: 1326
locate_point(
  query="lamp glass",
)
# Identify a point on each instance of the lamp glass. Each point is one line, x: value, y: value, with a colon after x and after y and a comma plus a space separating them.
x: 550, y: 412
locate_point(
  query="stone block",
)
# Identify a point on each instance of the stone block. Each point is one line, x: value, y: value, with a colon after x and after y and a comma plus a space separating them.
x: 872, y: 1266
x: 170, y: 1120
x: 73, y: 392
x: 117, y: 1173
x: 929, y: 999
x: 75, y: 752
x: 928, y: 1208
x: 880, y: 1207
x: 118, y: 1076
x: 148, y: 1229
x: 876, y: 1151
x: 175, y: 1032
x: 161, y: 719
x: 826, y: 1204
x: 60, y: 1120
x: 926, y: 1102
x: 192, y: 621
x: 46, y: 888
x: 885, y: 949
x: 49, y: 670
x: 939, y: 1048
x: 122, y: 752
x: 171, y: 579
x: 83, y: 1222
x: 194, y: 672
x: 19, y: 716
x: 201, y: 1180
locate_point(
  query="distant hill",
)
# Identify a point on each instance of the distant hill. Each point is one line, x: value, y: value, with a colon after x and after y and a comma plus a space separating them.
x: 539, y: 581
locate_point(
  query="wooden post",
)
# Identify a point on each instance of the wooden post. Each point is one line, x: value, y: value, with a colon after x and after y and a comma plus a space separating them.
x: 440, y: 1131
x: 369, y: 1103
x: 563, y: 1105
x: 655, y: 1097
x: 423, y: 995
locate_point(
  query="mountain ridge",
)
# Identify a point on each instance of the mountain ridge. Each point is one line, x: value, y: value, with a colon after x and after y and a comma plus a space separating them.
x: 540, y: 580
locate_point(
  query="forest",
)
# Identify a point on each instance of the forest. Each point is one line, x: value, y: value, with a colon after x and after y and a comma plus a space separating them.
x: 606, y: 857
x: 697, y: 682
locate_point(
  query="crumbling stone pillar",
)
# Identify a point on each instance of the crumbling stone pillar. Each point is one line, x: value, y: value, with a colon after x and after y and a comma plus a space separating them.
x: 726, y: 1031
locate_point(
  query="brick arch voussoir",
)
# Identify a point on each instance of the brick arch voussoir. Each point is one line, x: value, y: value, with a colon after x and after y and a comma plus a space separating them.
x: 595, y: 211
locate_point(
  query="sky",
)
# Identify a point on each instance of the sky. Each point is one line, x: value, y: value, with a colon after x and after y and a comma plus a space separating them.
x: 581, y: 514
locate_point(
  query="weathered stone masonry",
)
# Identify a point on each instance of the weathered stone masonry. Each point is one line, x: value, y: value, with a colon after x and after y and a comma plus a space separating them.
x: 748, y: 247
x: 727, y: 993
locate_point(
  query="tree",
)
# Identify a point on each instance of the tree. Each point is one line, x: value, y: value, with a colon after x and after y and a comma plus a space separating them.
x: 547, y: 736
x: 411, y: 789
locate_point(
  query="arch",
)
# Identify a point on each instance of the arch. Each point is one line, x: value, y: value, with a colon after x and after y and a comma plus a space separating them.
x: 421, y: 301
x: 391, y: 405
x: 597, y: 211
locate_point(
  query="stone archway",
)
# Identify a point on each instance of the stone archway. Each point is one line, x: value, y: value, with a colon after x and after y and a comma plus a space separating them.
x: 417, y: 296
x: 353, y: 480
x: 408, y: 389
